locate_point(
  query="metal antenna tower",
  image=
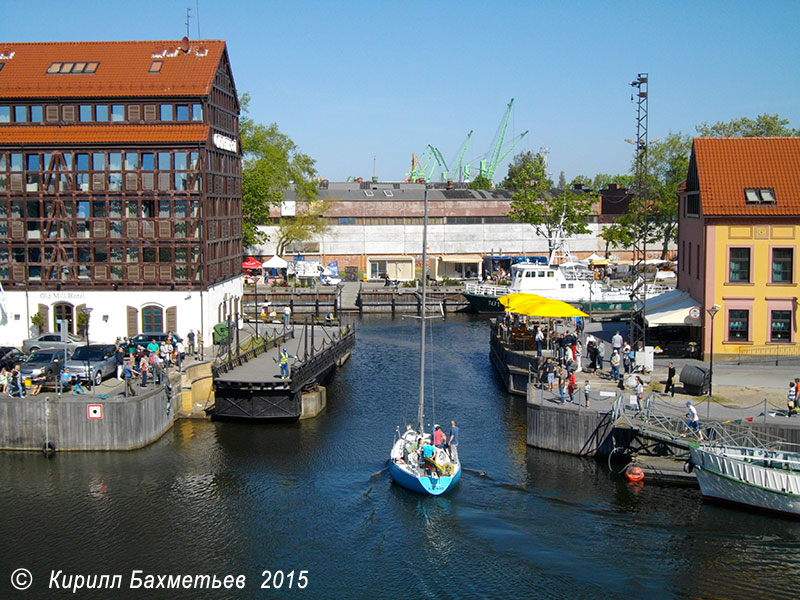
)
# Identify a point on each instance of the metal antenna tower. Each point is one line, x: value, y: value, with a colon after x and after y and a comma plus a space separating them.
x: 639, y: 206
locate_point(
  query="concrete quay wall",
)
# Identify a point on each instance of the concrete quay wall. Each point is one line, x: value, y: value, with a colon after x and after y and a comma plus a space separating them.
x: 32, y: 422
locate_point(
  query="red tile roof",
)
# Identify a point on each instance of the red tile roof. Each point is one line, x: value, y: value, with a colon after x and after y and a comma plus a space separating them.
x: 726, y: 166
x: 123, y: 69
x: 103, y: 134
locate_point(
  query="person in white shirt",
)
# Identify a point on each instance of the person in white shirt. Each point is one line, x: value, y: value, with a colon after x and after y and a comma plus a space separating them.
x: 693, y: 424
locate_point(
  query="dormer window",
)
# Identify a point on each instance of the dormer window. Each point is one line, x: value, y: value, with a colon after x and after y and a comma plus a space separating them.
x: 759, y: 195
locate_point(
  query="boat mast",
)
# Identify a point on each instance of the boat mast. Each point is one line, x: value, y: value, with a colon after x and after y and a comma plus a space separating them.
x: 421, y: 410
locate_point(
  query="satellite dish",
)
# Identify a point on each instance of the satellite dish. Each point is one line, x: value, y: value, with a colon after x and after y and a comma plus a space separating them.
x: 185, y: 44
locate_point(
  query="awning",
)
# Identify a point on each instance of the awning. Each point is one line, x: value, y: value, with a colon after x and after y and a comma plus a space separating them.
x: 672, y: 308
x: 276, y: 262
x: 534, y: 305
x: 461, y: 258
x: 251, y: 263
x: 396, y: 258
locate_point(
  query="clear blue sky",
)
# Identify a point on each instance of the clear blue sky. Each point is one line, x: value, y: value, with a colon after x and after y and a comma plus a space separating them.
x: 351, y: 80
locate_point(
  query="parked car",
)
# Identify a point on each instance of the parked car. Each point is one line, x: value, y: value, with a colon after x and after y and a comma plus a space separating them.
x: 93, y: 363
x: 10, y: 356
x: 50, y: 340
x: 145, y: 338
x: 43, y: 361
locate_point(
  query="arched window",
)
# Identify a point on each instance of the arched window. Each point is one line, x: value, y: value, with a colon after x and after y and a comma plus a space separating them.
x: 63, y: 312
x: 152, y: 319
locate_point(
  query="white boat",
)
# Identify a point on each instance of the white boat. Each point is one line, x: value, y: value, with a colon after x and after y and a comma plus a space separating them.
x: 757, y: 477
x: 409, y: 466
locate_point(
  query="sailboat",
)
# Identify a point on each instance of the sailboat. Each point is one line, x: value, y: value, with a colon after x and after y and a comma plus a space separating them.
x: 414, y: 462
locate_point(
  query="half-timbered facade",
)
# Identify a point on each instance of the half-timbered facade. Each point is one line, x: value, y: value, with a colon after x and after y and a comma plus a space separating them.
x: 120, y: 173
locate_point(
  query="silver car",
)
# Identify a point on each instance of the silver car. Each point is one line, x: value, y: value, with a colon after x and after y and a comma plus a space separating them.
x: 93, y: 363
x: 43, y: 362
x: 51, y: 341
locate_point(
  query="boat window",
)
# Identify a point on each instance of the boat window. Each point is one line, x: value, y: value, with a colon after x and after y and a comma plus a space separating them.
x: 530, y: 274
x: 540, y: 274
x: 563, y: 286
x: 571, y: 285
x: 550, y: 274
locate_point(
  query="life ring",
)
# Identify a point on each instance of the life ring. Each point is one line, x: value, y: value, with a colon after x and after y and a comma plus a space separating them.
x: 48, y: 449
x: 688, y: 466
x: 634, y: 474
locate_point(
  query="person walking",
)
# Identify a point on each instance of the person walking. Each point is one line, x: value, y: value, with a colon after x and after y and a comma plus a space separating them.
x: 669, y: 388
x: 693, y: 423
x: 284, y: 362
x: 579, y: 355
x: 128, y: 374
x: 539, y: 341
x: 550, y: 370
x: 563, y: 385
x: 143, y: 366
x: 639, y: 392
x: 586, y: 389
x: 601, y: 352
x: 791, y: 399
x: 452, y: 442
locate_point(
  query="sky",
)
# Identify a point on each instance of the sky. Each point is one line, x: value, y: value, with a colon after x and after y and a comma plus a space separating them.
x: 358, y: 83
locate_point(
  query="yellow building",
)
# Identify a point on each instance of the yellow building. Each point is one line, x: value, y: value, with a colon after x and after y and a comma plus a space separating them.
x: 739, y: 225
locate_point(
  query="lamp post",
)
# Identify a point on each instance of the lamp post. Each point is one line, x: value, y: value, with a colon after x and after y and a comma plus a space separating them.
x: 712, y: 312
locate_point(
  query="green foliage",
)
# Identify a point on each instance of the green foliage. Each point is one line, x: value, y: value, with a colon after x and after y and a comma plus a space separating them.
x: 37, y: 320
x: 481, y: 182
x: 616, y: 235
x: 532, y: 201
x: 516, y: 165
x: 308, y: 222
x: 763, y: 126
x: 562, y: 181
x: 270, y: 164
x: 601, y: 181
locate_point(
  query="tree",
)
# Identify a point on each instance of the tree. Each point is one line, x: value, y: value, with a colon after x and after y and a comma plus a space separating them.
x: 616, y: 235
x: 481, y: 182
x: 562, y: 181
x: 270, y: 164
x: 307, y: 223
x: 763, y: 126
x: 552, y: 216
x: 516, y: 165
x: 602, y: 180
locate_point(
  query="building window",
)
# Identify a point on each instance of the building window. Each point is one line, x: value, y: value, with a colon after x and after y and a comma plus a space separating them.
x: 182, y: 112
x: 739, y: 265
x: 5, y: 114
x: 781, y: 326
x: 63, y: 312
x: 782, y: 265
x: 117, y: 112
x: 693, y: 205
x: 166, y: 112
x: 155, y: 66
x: 85, y: 112
x: 152, y: 319
x: 36, y: 114
x: 738, y: 325
x: 197, y: 112
x: 20, y: 114
x: 759, y: 196
x: 101, y: 112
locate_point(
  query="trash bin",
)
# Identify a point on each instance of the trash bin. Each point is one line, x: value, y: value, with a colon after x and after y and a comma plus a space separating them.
x: 220, y: 333
x: 351, y: 273
x: 695, y: 380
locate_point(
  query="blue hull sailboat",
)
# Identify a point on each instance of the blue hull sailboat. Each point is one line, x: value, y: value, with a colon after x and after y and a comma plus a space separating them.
x: 414, y: 462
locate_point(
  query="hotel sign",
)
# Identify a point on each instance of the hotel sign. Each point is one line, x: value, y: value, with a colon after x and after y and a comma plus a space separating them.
x: 224, y: 142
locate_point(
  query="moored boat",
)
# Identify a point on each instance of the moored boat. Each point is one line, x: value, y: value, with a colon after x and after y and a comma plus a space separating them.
x: 757, y: 477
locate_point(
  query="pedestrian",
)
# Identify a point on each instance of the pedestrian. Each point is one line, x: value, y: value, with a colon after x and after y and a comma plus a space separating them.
x: 16, y: 382
x: 615, y: 360
x: 627, y: 354
x: 563, y: 385
x: 190, y: 343
x: 616, y: 342
x: 287, y: 315
x: 791, y: 399
x: 579, y: 355
x: 572, y: 386
x: 128, y: 374
x: 693, y: 423
x: 539, y: 341
x: 284, y: 361
x: 199, y: 348
x: 119, y: 361
x: 180, y: 354
x: 550, y: 369
x: 591, y: 348
x: 639, y: 392
x: 586, y: 389
x: 143, y: 366
x: 601, y: 352
x: 560, y: 343
x: 452, y: 442
x: 669, y: 388
x: 3, y: 380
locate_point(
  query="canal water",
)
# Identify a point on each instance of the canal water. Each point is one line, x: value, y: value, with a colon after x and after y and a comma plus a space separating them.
x: 315, y: 496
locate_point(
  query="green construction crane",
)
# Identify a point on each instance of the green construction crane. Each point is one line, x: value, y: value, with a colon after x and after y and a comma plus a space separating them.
x: 457, y: 170
x: 488, y: 166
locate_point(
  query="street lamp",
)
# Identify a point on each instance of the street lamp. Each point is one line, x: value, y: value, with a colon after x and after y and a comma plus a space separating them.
x: 712, y: 312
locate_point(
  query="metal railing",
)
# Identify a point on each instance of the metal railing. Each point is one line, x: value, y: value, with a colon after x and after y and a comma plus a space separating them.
x: 670, y: 428
x: 768, y: 353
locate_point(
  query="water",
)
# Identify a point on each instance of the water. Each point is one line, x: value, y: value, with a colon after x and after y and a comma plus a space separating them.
x: 239, y: 499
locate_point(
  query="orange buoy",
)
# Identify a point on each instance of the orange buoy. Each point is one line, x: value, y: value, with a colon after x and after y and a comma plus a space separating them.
x: 634, y: 474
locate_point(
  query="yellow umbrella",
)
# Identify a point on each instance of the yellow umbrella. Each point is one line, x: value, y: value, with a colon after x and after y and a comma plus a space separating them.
x: 533, y: 305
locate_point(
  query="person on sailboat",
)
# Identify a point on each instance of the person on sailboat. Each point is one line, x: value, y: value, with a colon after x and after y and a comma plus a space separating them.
x: 439, y: 439
x: 453, y: 442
